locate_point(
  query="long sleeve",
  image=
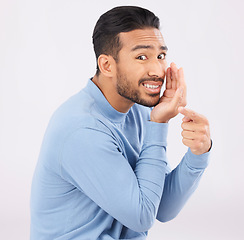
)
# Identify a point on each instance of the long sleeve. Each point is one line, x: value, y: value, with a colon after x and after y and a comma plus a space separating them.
x: 180, y: 184
x: 94, y: 162
x: 102, y: 174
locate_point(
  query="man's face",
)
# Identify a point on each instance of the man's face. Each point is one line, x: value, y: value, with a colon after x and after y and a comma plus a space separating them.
x: 141, y: 66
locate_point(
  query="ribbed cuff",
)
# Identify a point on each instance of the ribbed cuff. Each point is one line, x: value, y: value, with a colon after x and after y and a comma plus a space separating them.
x: 197, y: 161
x: 156, y: 133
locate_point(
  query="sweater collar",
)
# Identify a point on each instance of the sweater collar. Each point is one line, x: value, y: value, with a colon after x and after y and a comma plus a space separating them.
x: 103, y: 105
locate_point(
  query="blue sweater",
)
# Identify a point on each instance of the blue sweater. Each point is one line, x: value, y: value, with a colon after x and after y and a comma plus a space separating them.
x: 102, y: 174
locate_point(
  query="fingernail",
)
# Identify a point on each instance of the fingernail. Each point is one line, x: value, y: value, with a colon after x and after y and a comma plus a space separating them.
x: 180, y: 109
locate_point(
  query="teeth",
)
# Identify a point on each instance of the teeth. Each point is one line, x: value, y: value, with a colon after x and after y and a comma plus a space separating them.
x: 151, y: 86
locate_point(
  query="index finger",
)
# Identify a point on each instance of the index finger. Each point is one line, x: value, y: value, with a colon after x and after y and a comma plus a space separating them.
x: 168, y: 78
x: 194, y: 116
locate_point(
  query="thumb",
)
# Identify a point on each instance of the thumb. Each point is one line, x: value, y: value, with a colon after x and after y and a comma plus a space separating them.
x: 177, y: 98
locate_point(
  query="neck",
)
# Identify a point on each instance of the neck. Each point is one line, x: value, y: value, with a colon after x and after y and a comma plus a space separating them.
x: 108, y: 88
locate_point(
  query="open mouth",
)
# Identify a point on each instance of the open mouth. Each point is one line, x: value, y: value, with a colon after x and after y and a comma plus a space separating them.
x: 151, y: 86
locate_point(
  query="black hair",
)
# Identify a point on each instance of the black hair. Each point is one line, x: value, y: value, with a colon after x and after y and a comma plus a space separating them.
x: 119, y: 19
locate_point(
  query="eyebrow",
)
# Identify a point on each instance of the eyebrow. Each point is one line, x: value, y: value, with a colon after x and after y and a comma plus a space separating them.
x: 148, y: 47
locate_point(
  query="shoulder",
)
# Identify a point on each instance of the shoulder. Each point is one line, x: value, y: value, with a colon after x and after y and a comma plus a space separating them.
x: 78, y: 112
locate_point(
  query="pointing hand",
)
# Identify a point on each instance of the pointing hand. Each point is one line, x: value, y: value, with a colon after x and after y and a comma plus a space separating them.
x: 196, y: 133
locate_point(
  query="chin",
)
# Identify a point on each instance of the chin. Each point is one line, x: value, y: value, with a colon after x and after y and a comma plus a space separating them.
x: 149, y: 103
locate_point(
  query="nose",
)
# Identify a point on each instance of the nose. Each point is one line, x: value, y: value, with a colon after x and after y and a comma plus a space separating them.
x: 157, y: 69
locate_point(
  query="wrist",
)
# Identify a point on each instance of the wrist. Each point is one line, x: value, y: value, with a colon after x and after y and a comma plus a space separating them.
x: 159, y: 120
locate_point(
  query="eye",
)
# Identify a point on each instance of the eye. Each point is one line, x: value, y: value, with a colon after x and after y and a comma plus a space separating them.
x: 142, y: 57
x: 162, y: 56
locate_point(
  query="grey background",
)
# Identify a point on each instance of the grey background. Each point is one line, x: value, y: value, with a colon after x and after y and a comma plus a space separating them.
x: 46, y: 56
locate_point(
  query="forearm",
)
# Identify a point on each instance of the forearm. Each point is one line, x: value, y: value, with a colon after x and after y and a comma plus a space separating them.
x: 150, y: 168
x: 180, y: 184
x: 132, y: 196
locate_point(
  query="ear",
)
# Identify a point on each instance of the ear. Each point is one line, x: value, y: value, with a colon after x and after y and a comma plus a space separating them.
x: 106, y: 65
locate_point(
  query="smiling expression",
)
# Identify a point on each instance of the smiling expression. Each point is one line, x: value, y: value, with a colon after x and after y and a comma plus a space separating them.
x: 141, y: 66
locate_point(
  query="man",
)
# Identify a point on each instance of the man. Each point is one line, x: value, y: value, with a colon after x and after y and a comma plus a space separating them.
x: 103, y: 171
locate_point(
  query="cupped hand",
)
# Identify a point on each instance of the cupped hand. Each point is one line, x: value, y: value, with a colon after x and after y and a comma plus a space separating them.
x: 173, y: 97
